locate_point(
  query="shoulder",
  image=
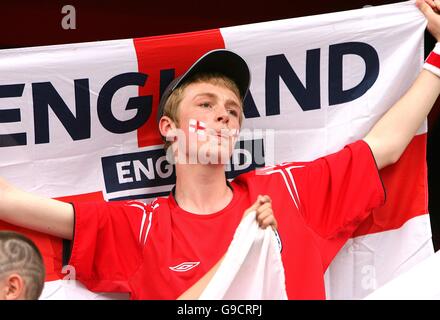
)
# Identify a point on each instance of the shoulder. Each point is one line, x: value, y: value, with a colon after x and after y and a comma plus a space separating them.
x: 269, y: 177
x: 356, y: 156
x: 124, y: 206
x: 358, y: 148
x: 358, y: 151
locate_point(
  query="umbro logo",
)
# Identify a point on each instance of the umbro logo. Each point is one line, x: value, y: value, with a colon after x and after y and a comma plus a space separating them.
x: 185, y: 266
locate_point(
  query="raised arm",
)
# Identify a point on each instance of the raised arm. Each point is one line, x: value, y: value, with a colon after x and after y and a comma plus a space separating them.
x: 37, y: 213
x: 393, y: 132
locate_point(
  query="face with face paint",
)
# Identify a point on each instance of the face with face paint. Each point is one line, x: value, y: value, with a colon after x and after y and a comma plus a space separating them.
x: 209, y: 122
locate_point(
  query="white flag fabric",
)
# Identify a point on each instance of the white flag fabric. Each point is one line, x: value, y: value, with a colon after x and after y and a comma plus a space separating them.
x: 78, y: 122
x: 251, y: 269
x: 421, y: 282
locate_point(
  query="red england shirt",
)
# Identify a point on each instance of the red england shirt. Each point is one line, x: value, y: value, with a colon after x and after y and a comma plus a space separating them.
x: 158, y: 250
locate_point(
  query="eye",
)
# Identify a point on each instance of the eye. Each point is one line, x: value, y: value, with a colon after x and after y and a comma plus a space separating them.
x: 205, y: 105
x: 233, y: 112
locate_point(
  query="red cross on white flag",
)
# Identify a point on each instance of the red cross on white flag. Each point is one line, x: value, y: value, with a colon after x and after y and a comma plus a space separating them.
x: 196, y: 126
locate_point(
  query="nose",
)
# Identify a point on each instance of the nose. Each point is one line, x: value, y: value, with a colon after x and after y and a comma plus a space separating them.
x: 222, y: 115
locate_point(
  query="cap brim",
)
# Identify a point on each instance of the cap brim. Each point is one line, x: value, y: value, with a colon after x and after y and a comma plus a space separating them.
x: 224, y: 62
x: 220, y: 61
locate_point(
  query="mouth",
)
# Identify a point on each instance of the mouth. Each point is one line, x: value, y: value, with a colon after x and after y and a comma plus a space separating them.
x: 226, y: 133
x: 222, y: 136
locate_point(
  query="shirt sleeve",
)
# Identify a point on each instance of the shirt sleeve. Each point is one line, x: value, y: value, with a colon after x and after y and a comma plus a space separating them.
x: 106, y: 250
x: 337, y: 192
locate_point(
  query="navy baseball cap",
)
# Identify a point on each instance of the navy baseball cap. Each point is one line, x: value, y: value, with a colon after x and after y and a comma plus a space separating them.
x: 220, y: 61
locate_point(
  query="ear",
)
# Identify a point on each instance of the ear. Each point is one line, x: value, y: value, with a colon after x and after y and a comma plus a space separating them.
x: 166, y: 126
x: 14, y: 287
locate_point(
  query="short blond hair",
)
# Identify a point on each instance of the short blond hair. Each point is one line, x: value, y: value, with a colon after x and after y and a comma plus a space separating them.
x: 171, y: 107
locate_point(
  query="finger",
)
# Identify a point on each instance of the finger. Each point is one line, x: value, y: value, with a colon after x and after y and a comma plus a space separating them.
x: 425, y: 8
x: 266, y: 198
x: 431, y: 3
x: 269, y: 221
x: 257, y: 202
x: 263, y: 208
x: 436, y: 6
x: 264, y: 215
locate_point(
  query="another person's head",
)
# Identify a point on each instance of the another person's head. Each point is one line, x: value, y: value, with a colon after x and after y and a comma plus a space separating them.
x: 202, y: 110
x: 22, y: 269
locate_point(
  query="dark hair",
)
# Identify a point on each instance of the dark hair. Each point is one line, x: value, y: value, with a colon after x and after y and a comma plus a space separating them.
x: 19, y: 254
